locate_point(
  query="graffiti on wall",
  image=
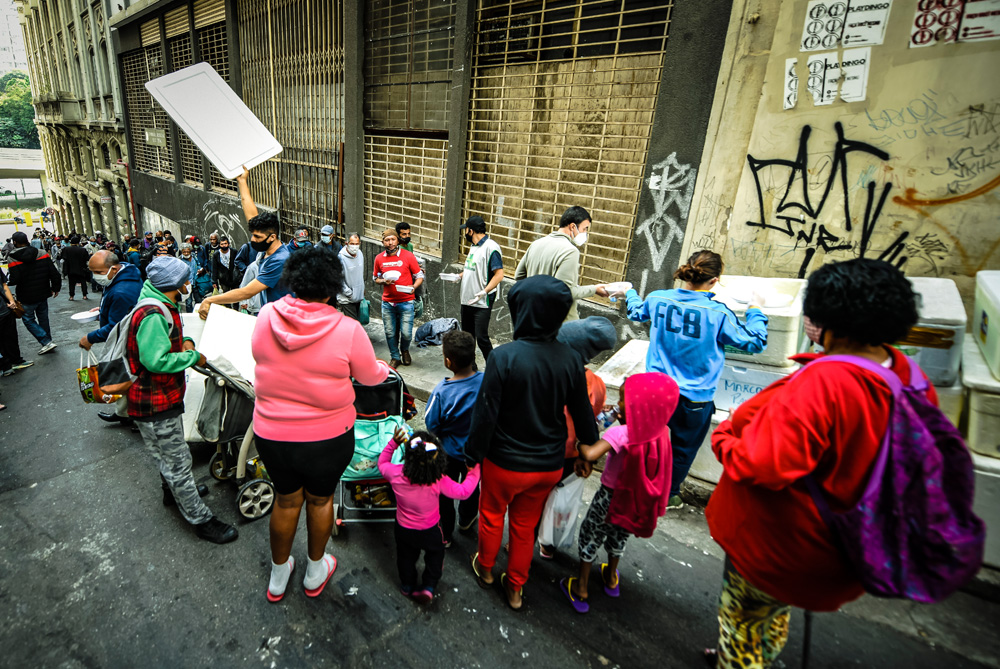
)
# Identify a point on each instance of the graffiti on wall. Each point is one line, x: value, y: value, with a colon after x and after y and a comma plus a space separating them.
x: 798, y: 210
x: 672, y: 186
x: 225, y: 215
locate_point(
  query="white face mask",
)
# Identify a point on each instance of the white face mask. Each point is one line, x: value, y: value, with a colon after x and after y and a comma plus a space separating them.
x: 580, y: 239
x: 185, y: 290
x: 102, y: 279
x: 325, y: 239
x: 353, y: 249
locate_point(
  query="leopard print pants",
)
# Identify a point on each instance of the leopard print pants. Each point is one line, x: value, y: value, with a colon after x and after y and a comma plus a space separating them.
x: 753, y: 626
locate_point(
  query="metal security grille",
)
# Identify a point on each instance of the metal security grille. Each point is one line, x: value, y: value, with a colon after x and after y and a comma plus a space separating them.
x: 292, y: 65
x: 138, y: 67
x: 214, y: 48
x: 562, y: 102
x: 409, y: 49
x: 408, y: 61
x: 404, y: 181
x: 181, y: 57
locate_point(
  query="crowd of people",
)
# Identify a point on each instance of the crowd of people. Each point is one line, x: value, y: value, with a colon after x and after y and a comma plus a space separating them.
x: 498, y: 441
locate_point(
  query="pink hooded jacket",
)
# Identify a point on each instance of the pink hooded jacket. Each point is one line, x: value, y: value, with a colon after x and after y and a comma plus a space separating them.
x: 306, y: 354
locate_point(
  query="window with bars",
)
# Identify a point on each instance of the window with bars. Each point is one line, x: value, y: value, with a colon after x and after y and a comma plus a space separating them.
x: 138, y: 67
x: 561, y: 107
x: 292, y: 67
x: 214, y: 49
x: 181, y: 56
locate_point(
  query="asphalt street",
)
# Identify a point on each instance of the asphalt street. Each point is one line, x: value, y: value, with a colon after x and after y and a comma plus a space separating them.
x: 95, y: 572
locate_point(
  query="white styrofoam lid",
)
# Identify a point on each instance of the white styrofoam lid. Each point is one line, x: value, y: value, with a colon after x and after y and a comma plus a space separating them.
x: 203, y: 105
x: 735, y: 292
x: 940, y: 302
x: 984, y: 464
x: 976, y: 373
x: 989, y: 282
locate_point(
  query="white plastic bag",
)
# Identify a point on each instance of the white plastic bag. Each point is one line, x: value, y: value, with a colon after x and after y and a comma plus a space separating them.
x: 561, y: 513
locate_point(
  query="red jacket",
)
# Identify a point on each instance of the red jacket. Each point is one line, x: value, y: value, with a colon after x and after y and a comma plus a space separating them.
x: 828, y: 420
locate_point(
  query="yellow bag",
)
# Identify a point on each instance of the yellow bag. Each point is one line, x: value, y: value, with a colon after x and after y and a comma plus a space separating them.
x: 90, y: 387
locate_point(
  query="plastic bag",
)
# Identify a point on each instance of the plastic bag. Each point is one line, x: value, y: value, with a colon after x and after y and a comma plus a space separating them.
x: 90, y: 388
x: 364, y: 311
x: 561, y: 513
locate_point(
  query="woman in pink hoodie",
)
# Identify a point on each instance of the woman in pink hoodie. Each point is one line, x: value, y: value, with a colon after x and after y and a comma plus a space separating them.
x: 303, y: 419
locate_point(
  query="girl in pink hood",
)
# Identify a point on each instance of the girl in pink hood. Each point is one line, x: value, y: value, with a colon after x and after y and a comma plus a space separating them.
x: 303, y: 419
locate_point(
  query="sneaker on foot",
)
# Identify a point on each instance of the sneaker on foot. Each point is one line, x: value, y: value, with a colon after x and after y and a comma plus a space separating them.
x: 216, y: 531
x: 424, y: 596
x: 7, y: 372
x: 48, y: 347
x: 675, y: 502
x: 24, y: 364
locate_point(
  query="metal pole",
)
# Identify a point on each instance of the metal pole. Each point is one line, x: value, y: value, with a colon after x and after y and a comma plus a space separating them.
x: 807, y: 639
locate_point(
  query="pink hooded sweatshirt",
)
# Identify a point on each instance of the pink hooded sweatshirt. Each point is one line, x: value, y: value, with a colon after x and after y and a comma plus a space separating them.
x: 306, y: 354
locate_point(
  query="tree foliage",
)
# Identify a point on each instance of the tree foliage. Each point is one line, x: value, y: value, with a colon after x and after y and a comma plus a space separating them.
x: 17, y: 116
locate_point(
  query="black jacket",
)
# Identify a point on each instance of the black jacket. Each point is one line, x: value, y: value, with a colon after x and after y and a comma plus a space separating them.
x: 75, y: 260
x: 33, y: 274
x: 518, y: 421
x: 226, y: 277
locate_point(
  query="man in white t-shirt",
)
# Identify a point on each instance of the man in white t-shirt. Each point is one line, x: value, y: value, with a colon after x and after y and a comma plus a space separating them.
x: 480, y: 282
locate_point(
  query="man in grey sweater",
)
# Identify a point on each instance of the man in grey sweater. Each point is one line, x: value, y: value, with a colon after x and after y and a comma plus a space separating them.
x: 558, y: 255
x: 353, y: 261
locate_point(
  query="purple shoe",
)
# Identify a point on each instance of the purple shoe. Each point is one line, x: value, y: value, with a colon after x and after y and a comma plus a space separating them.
x: 615, y: 591
x: 579, y: 605
x: 424, y: 596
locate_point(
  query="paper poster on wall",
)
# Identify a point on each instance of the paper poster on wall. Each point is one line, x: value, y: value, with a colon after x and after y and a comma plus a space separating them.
x: 824, y: 75
x: 854, y: 74
x: 936, y: 22
x: 791, y: 94
x: 824, y: 24
x: 866, y: 22
x: 981, y: 21
x: 215, y: 118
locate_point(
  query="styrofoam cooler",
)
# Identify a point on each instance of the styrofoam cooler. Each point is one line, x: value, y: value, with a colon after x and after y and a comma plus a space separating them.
x: 782, y: 306
x: 629, y: 359
x: 951, y: 400
x: 986, y: 318
x: 987, y: 504
x: 984, y: 402
x: 705, y: 467
x: 742, y: 380
x: 935, y: 342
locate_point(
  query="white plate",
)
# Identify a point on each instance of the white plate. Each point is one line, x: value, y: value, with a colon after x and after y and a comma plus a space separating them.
x: 392, y: 275
x: 86, y: 316
x: 451, y: 278
x: 215, y: 118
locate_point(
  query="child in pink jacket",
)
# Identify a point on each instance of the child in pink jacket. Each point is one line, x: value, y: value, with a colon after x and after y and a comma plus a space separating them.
x: 418, y: 484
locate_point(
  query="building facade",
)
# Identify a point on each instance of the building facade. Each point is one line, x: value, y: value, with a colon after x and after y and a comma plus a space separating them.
x: 78, y: 111
x: 12, y: 55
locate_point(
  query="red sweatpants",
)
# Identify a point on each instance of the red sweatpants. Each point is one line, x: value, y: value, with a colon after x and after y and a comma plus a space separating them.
x: 520, y: 495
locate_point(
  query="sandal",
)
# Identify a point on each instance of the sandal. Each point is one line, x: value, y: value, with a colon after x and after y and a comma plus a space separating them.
x: 711, y: 656
x: 503, y: 584
x: 273, y: 598
x: 609, y: 591
x: 580, y: 605
x: 331, y: 566
x: 479, y: 577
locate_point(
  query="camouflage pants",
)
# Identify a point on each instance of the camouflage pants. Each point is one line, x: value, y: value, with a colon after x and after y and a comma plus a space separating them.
x: 165, y: 438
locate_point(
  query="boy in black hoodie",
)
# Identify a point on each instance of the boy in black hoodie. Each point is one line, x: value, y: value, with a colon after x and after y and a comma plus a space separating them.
x: 36, y: 279
x: 518, y: 428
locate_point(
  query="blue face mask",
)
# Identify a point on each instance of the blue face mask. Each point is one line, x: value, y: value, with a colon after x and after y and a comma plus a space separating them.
x: 325, y: 239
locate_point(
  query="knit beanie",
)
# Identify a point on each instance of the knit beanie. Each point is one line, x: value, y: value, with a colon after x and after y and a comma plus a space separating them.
x: 167, y: 273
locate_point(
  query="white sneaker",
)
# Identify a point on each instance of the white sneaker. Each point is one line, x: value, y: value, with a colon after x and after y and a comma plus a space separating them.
x: 48, y: 347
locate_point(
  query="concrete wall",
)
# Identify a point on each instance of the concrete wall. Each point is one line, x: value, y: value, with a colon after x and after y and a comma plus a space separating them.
x: 909, y: 173
x: 195, y: 211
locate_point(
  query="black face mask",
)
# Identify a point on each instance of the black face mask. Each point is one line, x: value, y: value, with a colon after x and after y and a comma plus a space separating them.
x: 159, y: 239
x: 468, y: 237
x: 404, y: 240
x: 260, y: 247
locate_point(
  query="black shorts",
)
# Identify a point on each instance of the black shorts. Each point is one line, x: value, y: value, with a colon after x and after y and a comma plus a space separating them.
x: 314, y: 465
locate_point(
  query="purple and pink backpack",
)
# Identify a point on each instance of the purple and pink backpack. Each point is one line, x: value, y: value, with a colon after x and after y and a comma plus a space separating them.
x: 913, y: 534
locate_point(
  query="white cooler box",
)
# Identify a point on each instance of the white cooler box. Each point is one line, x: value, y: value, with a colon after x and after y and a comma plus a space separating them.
x: 783, y: 308
x: 984, y: 402
x: 740, y: 381
x: 987, y: 504
x: 935, y: 342
x: 951, y: 400
x: 986, y: 318
x: 705, y: 467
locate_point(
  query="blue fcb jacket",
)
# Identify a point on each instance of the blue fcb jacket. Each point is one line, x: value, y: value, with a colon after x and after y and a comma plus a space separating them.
x: 687, y: 333
x: 119, y: 298
x: 449, y: 412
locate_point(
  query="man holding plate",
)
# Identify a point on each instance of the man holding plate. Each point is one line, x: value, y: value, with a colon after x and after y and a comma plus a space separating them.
x: 399, y: 274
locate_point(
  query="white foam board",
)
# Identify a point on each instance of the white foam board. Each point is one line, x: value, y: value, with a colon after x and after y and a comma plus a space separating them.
x: 203, y: 105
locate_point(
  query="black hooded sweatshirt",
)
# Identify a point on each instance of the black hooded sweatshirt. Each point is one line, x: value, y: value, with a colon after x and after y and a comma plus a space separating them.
x: 33, y: 274
x: 518, y: 421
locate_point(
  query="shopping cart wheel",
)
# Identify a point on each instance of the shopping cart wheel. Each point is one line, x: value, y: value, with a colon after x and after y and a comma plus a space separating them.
x: 255, y: 498
x: 337, y: 521
x: 219, y: 468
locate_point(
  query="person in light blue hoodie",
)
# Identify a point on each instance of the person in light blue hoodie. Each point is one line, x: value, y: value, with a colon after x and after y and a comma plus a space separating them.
x: 688, y: 334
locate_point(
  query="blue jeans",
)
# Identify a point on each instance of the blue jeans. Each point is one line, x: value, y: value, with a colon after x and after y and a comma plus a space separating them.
x: 397, y: 320
x: 36, y: 320
x: 688, y: 428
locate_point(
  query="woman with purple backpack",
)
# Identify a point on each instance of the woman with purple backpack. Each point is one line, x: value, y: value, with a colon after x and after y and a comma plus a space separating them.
x: 826, y: 421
